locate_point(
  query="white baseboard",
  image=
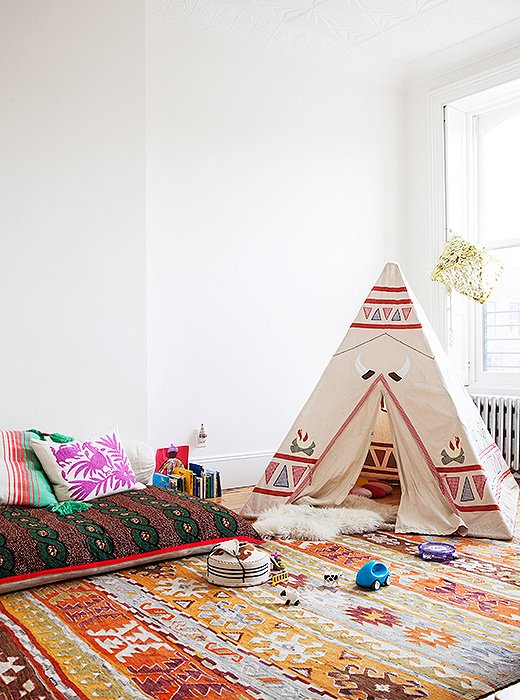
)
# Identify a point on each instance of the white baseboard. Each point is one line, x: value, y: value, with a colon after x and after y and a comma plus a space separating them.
x: 241, y: 469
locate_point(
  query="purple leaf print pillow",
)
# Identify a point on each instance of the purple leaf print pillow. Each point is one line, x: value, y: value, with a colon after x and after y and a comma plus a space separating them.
x: 81, y: 471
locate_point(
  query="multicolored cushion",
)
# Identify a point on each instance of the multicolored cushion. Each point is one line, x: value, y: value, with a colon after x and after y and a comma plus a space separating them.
x: 81, y: 471
x: 38, y: 546
x: 22, y: 479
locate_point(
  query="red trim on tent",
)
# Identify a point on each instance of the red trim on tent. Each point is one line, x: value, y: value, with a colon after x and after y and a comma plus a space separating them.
x: 376, y: 288
x: 409, y: 425
x: 356, y: 408
x: 269, y: 492
x: 420, y: 444
x: 466, y: 509
x: 504, y: 475
x: 490, y: 448
x: 388, y: 301
x: 397, y: 326
x: 466, y: 468
x: 292, y: 458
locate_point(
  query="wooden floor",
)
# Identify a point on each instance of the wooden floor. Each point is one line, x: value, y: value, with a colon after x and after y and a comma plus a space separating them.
x: 234, y: 499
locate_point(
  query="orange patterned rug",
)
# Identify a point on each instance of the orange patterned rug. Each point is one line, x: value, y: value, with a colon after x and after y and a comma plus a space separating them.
x: 440, y: 631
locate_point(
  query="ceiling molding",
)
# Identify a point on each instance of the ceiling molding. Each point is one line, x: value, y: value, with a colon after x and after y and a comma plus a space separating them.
x: 395, y: 42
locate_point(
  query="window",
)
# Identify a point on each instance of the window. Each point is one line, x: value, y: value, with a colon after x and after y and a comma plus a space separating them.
x: 498, y: 134
x: 482, y: 203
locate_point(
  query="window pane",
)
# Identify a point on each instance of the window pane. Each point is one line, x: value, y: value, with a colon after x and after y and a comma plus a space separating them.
x: 501, y: 317
x: 500, y: 181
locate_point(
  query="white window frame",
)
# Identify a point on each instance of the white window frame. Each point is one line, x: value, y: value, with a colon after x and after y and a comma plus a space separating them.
x: 498, y: 83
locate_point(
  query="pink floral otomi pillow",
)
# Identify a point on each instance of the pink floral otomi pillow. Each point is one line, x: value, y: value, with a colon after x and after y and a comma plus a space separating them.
x: 81, y: 471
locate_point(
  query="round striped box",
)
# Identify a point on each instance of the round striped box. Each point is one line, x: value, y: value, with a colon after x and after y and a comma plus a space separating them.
x: 236, y: 564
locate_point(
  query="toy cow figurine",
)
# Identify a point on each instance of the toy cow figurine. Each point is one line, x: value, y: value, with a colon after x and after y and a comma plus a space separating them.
x: 290, y: 596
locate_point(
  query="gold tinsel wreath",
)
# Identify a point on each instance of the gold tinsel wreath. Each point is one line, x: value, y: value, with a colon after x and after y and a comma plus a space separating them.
x: 467, y: 269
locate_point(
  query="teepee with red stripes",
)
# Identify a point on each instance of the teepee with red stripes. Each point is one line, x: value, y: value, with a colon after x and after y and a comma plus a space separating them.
x: 453, y: 477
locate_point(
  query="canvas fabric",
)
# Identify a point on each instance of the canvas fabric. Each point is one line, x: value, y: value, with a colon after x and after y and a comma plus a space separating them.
x: 22, y: 479
x: 453, y: 476
x: 380, y: 462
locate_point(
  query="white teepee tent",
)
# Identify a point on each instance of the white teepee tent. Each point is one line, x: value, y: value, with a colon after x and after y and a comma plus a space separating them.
x: 453, y: 477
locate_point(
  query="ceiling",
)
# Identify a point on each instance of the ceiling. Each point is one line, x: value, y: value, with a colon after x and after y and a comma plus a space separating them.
x: 385, y: 40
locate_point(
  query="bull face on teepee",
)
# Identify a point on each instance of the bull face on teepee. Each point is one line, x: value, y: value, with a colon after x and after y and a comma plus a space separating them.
x: 453, y: 478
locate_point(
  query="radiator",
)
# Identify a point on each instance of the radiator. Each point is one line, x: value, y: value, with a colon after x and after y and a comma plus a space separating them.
x: 501, y: 414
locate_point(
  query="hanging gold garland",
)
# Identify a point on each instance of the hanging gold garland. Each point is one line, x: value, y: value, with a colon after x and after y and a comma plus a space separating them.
x: 470, y: 270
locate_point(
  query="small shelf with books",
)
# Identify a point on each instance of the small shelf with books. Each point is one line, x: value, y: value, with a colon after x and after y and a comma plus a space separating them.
x: 173, y: 470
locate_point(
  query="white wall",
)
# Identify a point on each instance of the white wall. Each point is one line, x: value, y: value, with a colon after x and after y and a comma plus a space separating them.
x: 419, y: 254
x: 274, y: 198
x: 72, y: 215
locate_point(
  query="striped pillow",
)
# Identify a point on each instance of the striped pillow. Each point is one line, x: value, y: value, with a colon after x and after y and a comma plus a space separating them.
x: 22, y: 479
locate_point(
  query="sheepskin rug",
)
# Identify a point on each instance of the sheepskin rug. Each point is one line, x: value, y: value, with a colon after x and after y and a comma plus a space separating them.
x: 308, y: 523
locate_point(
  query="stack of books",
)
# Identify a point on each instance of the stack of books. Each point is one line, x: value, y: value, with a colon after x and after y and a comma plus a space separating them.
x: 195, y: 480
x: 206, y: 482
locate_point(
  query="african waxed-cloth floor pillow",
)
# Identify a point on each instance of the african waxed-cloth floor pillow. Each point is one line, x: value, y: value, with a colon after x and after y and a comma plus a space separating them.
x: 38, y: 546
x: 22, y: 479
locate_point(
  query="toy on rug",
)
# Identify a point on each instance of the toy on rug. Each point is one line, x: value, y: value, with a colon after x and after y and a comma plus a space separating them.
x: 437, y: 551
x: 331, y: 579
x: 235, y: 563
x: 373, y: 574
x: 279, y: 572
x: 290, y: 596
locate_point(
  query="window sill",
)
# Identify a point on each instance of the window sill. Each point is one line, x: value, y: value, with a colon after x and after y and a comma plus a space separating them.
x: 493, y: 390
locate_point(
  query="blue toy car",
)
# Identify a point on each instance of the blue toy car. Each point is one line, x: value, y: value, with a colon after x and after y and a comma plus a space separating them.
x: 373, y: 574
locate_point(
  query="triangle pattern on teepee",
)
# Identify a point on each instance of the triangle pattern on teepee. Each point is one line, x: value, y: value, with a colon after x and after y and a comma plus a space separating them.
x: 453, y: 485
x: 297, y: 473
x: 390, y: 357
x: 467, y: 491
x: 282, y: 480
x: 270, y: 470
x: 380, y: 454
x: 369, y: 459
x: 391, y: 460
x: 480, y: 481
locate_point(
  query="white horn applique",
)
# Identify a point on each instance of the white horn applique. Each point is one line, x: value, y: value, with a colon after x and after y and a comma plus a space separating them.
x: 363, y: 372
x: 360, y: 367
x: 405, y: 368
x: 397, y: 376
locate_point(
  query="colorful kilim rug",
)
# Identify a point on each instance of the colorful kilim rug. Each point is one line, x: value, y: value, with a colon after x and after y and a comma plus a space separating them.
x: 441, y: 631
